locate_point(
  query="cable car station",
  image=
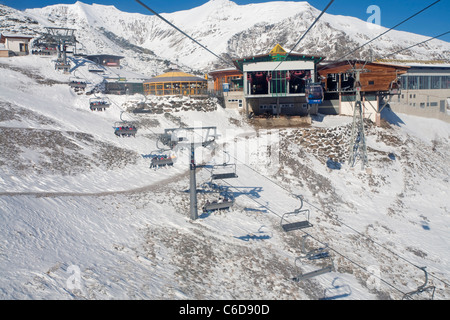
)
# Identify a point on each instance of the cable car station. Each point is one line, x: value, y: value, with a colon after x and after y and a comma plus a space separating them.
x: 277, y: 83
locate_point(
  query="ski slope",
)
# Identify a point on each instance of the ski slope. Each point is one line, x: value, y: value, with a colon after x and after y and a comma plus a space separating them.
x: 84, y: 217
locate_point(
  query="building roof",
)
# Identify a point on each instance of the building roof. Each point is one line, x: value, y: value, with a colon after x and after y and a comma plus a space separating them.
x: 225, y: 71
x: 111, y: 56
x: 176, y: 76
x: 278, y: 53
x: 14, y: 36
x: 349, y: 64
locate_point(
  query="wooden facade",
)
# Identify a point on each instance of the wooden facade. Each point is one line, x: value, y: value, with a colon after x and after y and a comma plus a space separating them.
x: 338, y: 77
x: 232, y: 78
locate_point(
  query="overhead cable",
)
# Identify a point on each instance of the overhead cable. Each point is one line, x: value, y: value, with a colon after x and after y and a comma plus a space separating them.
x: 303, y: 36
x: 414, y: 45
x: 382, y: 34
x: 184, y: 33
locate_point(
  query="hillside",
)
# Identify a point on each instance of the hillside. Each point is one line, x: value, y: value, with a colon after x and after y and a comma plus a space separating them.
x: 84, y: 217
x: 233, y: 31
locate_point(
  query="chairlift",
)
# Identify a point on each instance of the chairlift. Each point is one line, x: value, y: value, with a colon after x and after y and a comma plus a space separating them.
x: 421, y: 289
x: 162, y: 160
x: 314, y: 94
x: 395, y: 87
x: 77, y: 83
x: 224, y: 170
x: 124, y: 128
x: 316, y: 254
x: 299, y: 224
x: 59, y: 65
x: 99, y: 103
x: 221, y: 204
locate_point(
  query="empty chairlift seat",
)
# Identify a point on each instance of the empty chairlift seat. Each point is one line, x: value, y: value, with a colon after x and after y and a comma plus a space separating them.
x: 223, y: 171
x: 314, y: 94
x: 299, y: 218
x: 94, y: 68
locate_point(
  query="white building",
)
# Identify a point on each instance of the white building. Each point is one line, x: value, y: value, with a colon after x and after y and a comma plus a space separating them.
x: 425, y: 91
x: 11, y: 45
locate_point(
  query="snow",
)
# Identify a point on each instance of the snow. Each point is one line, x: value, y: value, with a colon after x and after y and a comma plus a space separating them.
x: 123, y: 232
x: 224, y: 27
x: 84, y: 217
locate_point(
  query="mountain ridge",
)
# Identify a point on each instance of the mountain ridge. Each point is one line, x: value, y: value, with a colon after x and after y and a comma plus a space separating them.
x: 227, y: 29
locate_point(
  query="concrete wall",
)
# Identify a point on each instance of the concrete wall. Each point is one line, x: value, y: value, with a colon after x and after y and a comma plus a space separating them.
x: 291, y: 106
x: 234, y: 100
x: 15, y: 44
x: 423, y: 103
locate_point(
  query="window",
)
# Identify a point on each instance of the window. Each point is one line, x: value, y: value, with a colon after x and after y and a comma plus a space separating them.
x: 412, y: 82
x: 435, y: 82
x: 371, y: 83
x: 23, y: 47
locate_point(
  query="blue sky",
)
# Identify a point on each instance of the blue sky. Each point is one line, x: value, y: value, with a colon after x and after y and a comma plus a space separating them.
x: 432, y: 22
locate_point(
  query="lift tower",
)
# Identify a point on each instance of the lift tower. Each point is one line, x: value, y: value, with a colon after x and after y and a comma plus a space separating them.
x: 358, y: 147
x: 193, y: 137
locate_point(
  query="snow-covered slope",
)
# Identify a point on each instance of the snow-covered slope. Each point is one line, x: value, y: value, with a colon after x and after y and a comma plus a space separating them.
x: 84, y: 217
x: 226, y: 28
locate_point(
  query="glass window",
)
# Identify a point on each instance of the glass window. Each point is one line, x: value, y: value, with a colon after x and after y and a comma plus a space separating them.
x: 446, y: 82
x: 412, y: 82
x: 435, y: 82
x: 424, y: 82
x: 404, y: 82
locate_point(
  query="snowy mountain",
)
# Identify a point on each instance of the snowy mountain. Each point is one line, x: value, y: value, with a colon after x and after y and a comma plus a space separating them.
x: 224, y: 27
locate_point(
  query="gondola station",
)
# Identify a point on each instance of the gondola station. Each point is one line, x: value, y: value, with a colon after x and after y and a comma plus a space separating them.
x: 275, y: 84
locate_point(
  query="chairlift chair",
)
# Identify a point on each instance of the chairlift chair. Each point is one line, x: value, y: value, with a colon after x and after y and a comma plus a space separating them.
x: 161, y: 160
x: 94, y: 68
x: 308, y: 275
x: 220, y: 204
x: 224, y: 170
x: 99, y: 103
x: 421, y: 289
x: 77, y: 83
x: 314, y: 94
x: 299, y: 224
x: 313, y: 255
x: 125, y: 129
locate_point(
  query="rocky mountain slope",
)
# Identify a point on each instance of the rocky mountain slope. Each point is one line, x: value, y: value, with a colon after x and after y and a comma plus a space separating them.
x: 84, y: 217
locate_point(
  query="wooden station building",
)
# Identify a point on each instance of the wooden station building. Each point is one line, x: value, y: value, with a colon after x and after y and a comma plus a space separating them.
x: 378, y: 83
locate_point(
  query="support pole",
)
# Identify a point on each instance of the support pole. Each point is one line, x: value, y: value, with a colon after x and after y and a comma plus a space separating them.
x: 358, y: 147
x: 193, y: 186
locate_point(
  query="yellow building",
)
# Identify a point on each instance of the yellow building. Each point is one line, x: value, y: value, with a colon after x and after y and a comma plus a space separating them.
x: 175, y: 82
